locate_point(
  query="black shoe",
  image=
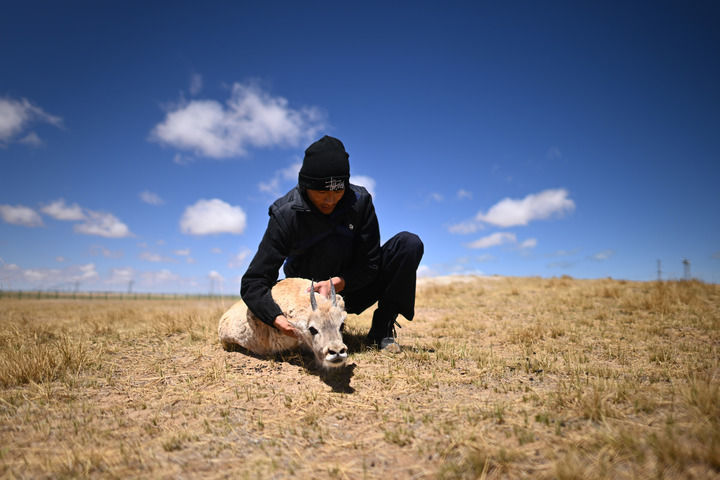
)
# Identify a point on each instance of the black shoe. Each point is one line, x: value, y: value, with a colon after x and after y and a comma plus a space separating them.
x: 388, y: 344
x: 386, y: 341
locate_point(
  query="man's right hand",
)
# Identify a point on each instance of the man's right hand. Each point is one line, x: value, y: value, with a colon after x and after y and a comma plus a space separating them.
x: 282, y: 324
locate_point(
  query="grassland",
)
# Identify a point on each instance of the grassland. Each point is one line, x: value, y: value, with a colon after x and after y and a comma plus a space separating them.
x: 498, y: 378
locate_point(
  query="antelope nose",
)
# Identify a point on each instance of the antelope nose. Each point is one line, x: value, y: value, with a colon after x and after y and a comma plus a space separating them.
x: 341, y: 351
x: 336, y: 355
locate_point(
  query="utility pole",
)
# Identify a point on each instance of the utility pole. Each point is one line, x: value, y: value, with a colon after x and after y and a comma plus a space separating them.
x: 130, y: 285
x: 686, y: 268
x: 659, y: 263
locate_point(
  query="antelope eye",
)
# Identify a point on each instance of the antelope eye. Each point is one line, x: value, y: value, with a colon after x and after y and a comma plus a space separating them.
x: 342, y: 326
x: 313, y: 330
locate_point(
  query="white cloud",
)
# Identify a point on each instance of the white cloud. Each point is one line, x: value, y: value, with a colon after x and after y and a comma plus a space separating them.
x: 98, y: 250
x: 185, y: 253
x: 463, y: 194
x: 36, y: 276
x: 212, y: 216
x: 93, y: 223
x: 604, y: 255
x: 9, y: 274
x: 20, y: 215
x: 62, y: 279
x: 121, y: 276
x: 464, y: 270
x: 425, y: 271
x: 60, y: 211
x: 250, y: 118
x: 196, y: 83
x: 151, y: 198
x: 216, y: 250
x: 102, y: 224
x: 564, y: 253
x: 182, y: 159
x: 215, y: 275
x: 562, y: 265
x: 156, y: 258
x: 464, y: 228
x: 158, y: 279
x: 216, y: 280
x: 554, y: 153
x: 280, y: 179
x: 463, y: 266
x: 436, y: 197
x: 86, y: 272
x: 364, y: 181
x: 501, y: 238
x: 16, y: 115
x: 511, y: 212
x: 238, y: 260
x: 529, y: 243
x: 60, y: 259
x: 32, y: 140
x: 493, y: 240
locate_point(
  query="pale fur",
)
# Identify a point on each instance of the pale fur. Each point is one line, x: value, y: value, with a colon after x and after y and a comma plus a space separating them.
x: 239, y: 326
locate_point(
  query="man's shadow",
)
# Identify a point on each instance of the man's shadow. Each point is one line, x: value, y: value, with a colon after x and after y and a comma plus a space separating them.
x: 356, y: 342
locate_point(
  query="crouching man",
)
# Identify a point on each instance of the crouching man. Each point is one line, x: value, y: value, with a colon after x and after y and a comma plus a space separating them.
x: 324, y: 228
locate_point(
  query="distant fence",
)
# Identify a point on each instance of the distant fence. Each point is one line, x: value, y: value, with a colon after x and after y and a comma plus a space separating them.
x: 38, y: 295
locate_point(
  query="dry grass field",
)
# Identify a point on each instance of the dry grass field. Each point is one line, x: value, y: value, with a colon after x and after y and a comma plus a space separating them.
x: 498, y: 378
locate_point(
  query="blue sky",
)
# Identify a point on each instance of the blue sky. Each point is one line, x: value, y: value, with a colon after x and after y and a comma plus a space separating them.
x: 142, y: 142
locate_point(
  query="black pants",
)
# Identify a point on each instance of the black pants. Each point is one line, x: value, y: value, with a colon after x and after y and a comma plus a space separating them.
x: 394, y: 288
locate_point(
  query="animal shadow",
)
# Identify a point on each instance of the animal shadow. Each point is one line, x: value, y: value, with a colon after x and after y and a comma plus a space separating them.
x: 337, y: 378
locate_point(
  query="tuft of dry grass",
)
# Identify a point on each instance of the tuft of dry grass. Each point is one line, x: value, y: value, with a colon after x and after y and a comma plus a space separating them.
x: 31, y: 357
x: 499, y: 378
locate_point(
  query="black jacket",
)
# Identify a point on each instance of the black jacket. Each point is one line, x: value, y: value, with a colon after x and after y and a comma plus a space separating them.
x: 345, y: 243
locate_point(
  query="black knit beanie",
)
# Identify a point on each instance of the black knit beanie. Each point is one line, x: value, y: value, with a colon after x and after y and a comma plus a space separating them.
x: 325, y: 166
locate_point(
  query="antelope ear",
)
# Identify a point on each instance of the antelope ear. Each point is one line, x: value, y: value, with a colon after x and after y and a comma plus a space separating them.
x: 339, y: 302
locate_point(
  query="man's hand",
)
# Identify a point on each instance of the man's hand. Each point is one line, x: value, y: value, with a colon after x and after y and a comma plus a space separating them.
x: 323, y: 288
x: 282, y: 324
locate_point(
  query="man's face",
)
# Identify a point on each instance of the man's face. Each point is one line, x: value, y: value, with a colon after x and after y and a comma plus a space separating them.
x: 325, y: 200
